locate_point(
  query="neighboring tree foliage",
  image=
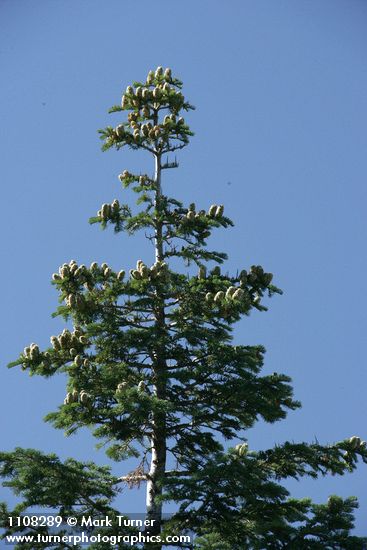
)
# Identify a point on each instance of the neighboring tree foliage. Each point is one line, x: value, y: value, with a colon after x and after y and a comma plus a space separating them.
x: 152, y: 370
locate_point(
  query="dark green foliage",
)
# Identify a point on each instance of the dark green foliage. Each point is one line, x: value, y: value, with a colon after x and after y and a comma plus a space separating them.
x: 237, y: 494
x: 319, y: 527
x: 151, y: 369
x: 71, y: 488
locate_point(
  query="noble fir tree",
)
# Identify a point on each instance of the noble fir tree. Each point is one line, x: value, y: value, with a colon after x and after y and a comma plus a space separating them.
x: 152, y: 370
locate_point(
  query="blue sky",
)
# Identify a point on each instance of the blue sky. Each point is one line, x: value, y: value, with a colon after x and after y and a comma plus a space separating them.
x: 280, y: 139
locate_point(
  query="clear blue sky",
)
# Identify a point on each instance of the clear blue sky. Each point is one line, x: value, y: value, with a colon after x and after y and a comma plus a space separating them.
x: 280, y: 90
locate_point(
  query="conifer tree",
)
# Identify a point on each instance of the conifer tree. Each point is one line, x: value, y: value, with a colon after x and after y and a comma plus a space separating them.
x: 152, y: 370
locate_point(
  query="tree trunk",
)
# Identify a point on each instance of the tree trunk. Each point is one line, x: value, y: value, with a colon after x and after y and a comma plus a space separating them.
x: 158, y: 194
x: 158, y: 440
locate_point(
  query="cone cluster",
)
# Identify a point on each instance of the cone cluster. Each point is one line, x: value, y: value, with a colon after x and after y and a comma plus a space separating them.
x: 357, y: 443
x: 232, y: 294
x: 75, y: 397
x: 31, y: 352
x: 156, y: 87
x: 125, y: 175
x: 104, y: 270
x: 241, y: 449
x: 121, y: 387
x: 216, y: 211
x: 192, y: 214
x: 109, y: 211
x: 147, y: 130
x: 83, y: 275
x: 73, y: 343
x: 171, y: 120
x: 142, y: 179
x: 158, y: 269
x: 86, y: 276
x: 71, y: 270
x: 74, y: 301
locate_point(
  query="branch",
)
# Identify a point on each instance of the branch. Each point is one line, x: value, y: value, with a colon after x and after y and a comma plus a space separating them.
x: 131, y: 478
